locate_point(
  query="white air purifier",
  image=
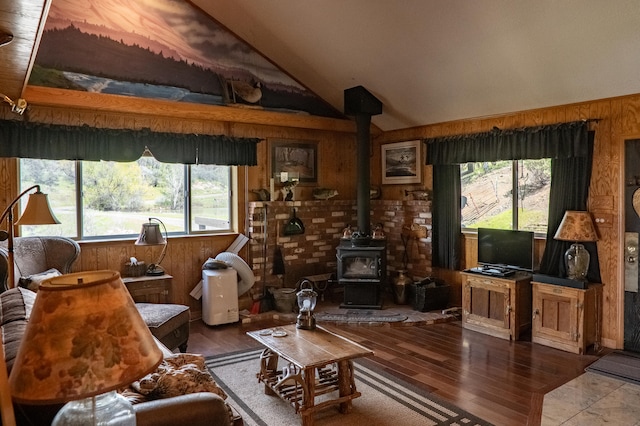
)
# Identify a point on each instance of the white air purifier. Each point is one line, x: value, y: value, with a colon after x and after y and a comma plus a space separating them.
x: 220, y: 296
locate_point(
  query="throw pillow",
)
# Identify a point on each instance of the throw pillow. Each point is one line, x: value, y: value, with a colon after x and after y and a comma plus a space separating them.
x: 32, y: 282
x: 178, y: 374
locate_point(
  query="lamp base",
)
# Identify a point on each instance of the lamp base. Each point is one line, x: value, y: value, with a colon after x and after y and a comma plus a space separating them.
x: 306, y: 321
x: 577, y: 262
x: 108, y: 408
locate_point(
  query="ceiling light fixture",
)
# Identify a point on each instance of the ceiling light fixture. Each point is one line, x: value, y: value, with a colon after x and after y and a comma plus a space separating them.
x: 18, y: 107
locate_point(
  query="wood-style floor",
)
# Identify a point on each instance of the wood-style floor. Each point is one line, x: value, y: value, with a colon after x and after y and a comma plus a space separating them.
x: 500, y: 381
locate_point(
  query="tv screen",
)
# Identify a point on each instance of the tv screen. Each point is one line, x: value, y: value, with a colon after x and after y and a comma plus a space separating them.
x: 505, y: 248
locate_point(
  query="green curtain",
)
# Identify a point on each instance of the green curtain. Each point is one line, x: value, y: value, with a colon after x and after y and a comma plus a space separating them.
x: 570, y: 179
x: 565, y: 143
x: 446, y: 216
x: 58, y: 142
x: 563, y: 140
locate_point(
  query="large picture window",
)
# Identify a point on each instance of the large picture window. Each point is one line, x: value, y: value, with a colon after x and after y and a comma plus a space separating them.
x: 103, y: 199
x: 506, y: 195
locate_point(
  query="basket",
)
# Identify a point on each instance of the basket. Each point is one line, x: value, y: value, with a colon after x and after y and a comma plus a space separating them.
x: 429, y: 295
x: 136, y: 270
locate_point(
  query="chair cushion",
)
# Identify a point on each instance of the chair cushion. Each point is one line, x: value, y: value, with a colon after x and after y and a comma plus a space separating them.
x: 15, y: 310
x: 169, y: 323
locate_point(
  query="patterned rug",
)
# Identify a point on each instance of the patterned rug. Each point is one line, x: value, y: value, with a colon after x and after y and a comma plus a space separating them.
x: 385, y: 400
x: 360, y: 315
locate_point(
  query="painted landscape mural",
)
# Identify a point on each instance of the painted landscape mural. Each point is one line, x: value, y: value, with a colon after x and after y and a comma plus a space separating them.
x: 165, y: 49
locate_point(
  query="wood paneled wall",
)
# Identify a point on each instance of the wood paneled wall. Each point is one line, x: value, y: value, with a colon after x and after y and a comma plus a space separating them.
x: 619, y: 120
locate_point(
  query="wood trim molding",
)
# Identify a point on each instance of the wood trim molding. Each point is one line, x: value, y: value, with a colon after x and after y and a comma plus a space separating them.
x: 63, y: 98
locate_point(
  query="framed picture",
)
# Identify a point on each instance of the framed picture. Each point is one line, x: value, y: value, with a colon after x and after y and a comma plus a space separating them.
x: 402, y: 163
x: 298, y: 158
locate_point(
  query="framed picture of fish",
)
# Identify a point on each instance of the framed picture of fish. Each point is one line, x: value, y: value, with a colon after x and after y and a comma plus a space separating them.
x: 296, y: 157
x: 402, y: 162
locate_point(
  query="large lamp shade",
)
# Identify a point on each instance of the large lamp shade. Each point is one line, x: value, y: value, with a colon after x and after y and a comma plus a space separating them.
x: 85, y: 337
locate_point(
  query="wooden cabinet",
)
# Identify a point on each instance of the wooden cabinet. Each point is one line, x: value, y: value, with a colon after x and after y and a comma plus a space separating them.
x: 149, y: 289
x: 500, y: 307
x: 566, y: 318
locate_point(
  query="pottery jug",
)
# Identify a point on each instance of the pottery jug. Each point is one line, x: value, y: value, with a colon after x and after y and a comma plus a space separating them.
x: 400, y: 284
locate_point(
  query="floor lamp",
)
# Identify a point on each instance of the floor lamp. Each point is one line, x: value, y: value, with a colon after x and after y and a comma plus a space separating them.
x: 37, y: 212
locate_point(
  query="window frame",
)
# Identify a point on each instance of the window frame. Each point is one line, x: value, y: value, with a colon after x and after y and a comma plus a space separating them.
x: 188, y: 229
x: 515, y: 199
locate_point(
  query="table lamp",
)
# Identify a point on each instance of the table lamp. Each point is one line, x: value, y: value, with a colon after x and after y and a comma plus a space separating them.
x: 84, y: 340
x: 36, y: 212
x: 150, y: 235
x: 576, y: 226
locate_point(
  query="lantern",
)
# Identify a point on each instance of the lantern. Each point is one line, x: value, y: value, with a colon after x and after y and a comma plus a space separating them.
x: 307, y: 298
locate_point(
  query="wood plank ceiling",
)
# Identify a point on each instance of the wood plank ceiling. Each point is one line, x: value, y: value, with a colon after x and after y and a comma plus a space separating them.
x: 24, y: 20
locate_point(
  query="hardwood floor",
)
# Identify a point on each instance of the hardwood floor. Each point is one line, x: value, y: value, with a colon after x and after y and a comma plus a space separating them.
x: 500, y: 381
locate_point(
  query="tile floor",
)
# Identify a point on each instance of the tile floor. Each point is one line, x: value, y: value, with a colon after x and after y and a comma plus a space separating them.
x: 592, y: 399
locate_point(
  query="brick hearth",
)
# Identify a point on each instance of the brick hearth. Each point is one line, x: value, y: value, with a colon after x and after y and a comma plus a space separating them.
x: 314, y: 252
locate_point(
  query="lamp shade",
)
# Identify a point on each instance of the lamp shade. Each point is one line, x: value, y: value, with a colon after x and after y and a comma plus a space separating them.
x: 576, y: 226
x: 37, y: 211
x: 85, y: 337
x: 150, y: 235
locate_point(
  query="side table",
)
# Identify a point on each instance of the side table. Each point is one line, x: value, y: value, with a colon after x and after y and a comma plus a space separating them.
x: 149, y: 289
x: 566, y: 318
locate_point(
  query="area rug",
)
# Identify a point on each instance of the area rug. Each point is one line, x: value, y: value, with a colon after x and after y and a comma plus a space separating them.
x: 385, y: 400
x: 360, y: 315
x: 620, y: 365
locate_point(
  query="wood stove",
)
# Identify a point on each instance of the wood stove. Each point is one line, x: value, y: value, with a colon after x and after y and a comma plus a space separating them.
x: 362, y: 271
x: 362, y: 261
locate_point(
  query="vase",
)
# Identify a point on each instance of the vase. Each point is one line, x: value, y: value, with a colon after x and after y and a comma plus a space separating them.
x: 400, y: 284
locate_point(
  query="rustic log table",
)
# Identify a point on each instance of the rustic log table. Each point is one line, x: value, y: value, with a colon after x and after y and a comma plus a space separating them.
x: 316, y: 364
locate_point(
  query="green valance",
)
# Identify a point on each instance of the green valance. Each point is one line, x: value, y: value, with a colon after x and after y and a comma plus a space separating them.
x: 57, y: 142
x: 563, y: 140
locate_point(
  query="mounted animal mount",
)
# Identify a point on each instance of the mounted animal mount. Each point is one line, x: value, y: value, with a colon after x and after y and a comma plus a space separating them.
x: 418, y: 194
x: 236, y: 91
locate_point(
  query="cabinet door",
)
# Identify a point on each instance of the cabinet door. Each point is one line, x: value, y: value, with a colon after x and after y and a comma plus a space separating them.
x: 149, y: 291
x: 487, y: 303
x: 555, y: 314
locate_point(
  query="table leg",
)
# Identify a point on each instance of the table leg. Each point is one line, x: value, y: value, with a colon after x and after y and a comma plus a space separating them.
x: 346, y: 383
x: 309, y: 396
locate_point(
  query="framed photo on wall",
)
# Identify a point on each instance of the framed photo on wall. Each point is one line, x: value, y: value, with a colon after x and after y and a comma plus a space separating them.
x: 292, y: 156
x: 402, y: 162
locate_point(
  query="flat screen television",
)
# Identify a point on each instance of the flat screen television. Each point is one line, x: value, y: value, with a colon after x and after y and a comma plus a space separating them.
x: 505, y: 249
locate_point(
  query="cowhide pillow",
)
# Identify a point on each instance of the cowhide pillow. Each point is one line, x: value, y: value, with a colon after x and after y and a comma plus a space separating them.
x: 178, y: 374
x: 32, y: 282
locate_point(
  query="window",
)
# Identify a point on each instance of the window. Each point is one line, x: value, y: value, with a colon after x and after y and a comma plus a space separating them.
x: 506, y: 194
x: 110, y: 199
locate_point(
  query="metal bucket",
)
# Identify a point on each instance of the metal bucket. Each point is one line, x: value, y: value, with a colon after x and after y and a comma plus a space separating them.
x: 285, y: 299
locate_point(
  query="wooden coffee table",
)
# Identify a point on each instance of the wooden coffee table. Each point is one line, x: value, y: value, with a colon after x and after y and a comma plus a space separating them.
x: 316, y: 363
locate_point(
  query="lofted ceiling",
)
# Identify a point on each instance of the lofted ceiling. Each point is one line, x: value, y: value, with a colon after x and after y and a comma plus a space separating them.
x: 428, y: 61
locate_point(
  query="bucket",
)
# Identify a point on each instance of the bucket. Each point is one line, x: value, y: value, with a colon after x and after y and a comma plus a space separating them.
x: 285, y: 299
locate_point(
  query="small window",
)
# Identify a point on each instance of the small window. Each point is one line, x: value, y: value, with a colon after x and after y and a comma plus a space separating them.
x: 506, y: 195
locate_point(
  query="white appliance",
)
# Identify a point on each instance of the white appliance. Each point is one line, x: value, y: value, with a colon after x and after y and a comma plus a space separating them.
x: 220, y: 296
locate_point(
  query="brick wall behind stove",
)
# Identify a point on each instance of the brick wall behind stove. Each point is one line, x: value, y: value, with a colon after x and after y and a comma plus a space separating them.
x: 314, y: 252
